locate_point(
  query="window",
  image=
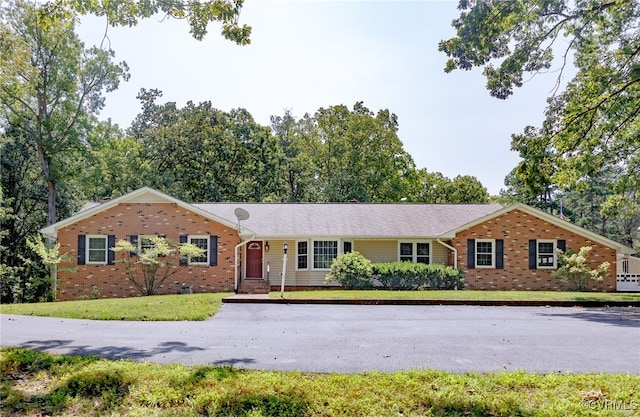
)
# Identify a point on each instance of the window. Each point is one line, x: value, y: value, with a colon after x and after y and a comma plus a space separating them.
x: 546, y: 253
x: 97, y: 249
x: 406, y: 252
x: 485, y: 253
x: 145, y: 243
x: 415, y: 252
x: 422, y: 253
x: 542, y: 253
x: 203, y: 243
x: 347, y: 246
x: 324, y: 252
x: 303, y: 255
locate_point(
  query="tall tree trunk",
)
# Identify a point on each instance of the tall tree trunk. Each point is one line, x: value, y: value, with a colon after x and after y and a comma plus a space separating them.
x: 51, y: 201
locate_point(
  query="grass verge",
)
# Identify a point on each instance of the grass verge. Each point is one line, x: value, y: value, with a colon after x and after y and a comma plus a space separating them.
x: 35, y: 383
x: 158, y: 307
x: 458, y: 295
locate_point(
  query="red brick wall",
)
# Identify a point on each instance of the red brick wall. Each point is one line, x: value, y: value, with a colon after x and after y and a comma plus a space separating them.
x: 516, y: 228
x: 128, y: 219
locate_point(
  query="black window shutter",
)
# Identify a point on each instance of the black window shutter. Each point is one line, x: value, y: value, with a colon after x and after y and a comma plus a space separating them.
x: 213, y: 250
x: 111, y: 255
x: 183, y: 239
x: 82, y: 249
x: 562, y: 245
x: 499, y: 254
x: 471, y: 253
x: 134, y: 241
x: 533, y: 254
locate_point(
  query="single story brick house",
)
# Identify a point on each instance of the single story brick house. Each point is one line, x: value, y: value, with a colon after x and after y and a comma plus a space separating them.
x: 499, y: 248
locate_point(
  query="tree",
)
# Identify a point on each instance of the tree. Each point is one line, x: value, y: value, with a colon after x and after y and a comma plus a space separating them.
x: 359, y: 156
x: 574, y: 268
x: 593, y: 123
x: 197, y: 13
x: 435, y: 188
x: 155, y: 263
x: 199, y: 153
x: 296, y: 138
x: 24, y: 207
x: 50, y: 85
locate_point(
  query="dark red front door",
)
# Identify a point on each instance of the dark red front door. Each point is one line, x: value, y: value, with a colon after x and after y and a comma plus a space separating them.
x: 254, y: 259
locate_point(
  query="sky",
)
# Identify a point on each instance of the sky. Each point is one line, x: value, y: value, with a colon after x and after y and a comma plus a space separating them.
x: 305, y: 55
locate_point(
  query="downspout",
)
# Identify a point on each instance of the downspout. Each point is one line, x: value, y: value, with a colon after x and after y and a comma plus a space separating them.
x: 235, y: 260
x: 455, y: 251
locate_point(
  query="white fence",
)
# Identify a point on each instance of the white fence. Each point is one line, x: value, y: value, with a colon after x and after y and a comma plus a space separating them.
x: 628, y: 278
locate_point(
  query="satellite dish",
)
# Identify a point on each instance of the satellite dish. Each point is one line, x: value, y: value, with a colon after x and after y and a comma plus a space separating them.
x: 241, y: 214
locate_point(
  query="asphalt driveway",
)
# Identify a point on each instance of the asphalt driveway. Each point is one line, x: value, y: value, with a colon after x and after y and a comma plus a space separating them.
x: 343, y: 338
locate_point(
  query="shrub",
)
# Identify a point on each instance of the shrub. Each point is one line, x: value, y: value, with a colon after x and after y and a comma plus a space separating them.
x: 352, y: 270
x: 574, y: 268
x: 418, y: 276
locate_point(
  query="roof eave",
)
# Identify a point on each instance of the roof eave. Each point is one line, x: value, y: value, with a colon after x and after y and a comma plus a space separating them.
x: 619, y: 247
x: 52, y: 230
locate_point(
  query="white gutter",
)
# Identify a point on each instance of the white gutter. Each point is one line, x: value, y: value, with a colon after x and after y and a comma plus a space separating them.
x: 235, y: 258
x: 455, y: 252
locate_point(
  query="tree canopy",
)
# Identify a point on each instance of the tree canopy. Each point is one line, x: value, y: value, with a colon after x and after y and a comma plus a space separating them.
x: 591, y: 124
x: 198, y: 14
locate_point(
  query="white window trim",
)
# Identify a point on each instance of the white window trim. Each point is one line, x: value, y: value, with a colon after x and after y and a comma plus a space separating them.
x: 555, y: 255
x: 493, y: 254
x: 206, y: 254
x: 414, y: 249
x: 313, y: 255
x: 308, y: 254
x: 88, y: 249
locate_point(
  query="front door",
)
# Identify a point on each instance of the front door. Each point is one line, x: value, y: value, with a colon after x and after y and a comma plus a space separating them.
x: 254, y: 259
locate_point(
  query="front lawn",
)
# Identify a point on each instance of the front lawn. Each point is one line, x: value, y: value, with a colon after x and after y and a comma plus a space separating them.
x: 34, y: 383
x: 157, y: 307
x: 458, y: 295
x: 203, y: 306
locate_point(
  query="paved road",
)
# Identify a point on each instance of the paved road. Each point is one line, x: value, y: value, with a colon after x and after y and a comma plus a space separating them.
x: 328, y: 338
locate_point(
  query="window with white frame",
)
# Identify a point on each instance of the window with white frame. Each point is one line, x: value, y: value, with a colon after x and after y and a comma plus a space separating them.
x: 97, y: 249
x: 145, y: 243
x: 414, y: 252
x: 302, y: 253
x: 203, y: 243
x: 546, y: 253
x: 485, y: 253
x: 324, y: 252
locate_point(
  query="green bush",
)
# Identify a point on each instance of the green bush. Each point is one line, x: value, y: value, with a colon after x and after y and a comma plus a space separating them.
x: 417, y: 276
x: 352, y: 270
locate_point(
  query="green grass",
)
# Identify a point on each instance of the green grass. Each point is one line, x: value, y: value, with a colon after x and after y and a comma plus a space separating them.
x: 34, y: 383
x: 459, y: 295
x: 159, y: 307
x: 203, y: 306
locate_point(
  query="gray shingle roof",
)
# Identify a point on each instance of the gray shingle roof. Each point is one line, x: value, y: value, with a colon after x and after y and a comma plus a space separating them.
x: 354, y: 220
